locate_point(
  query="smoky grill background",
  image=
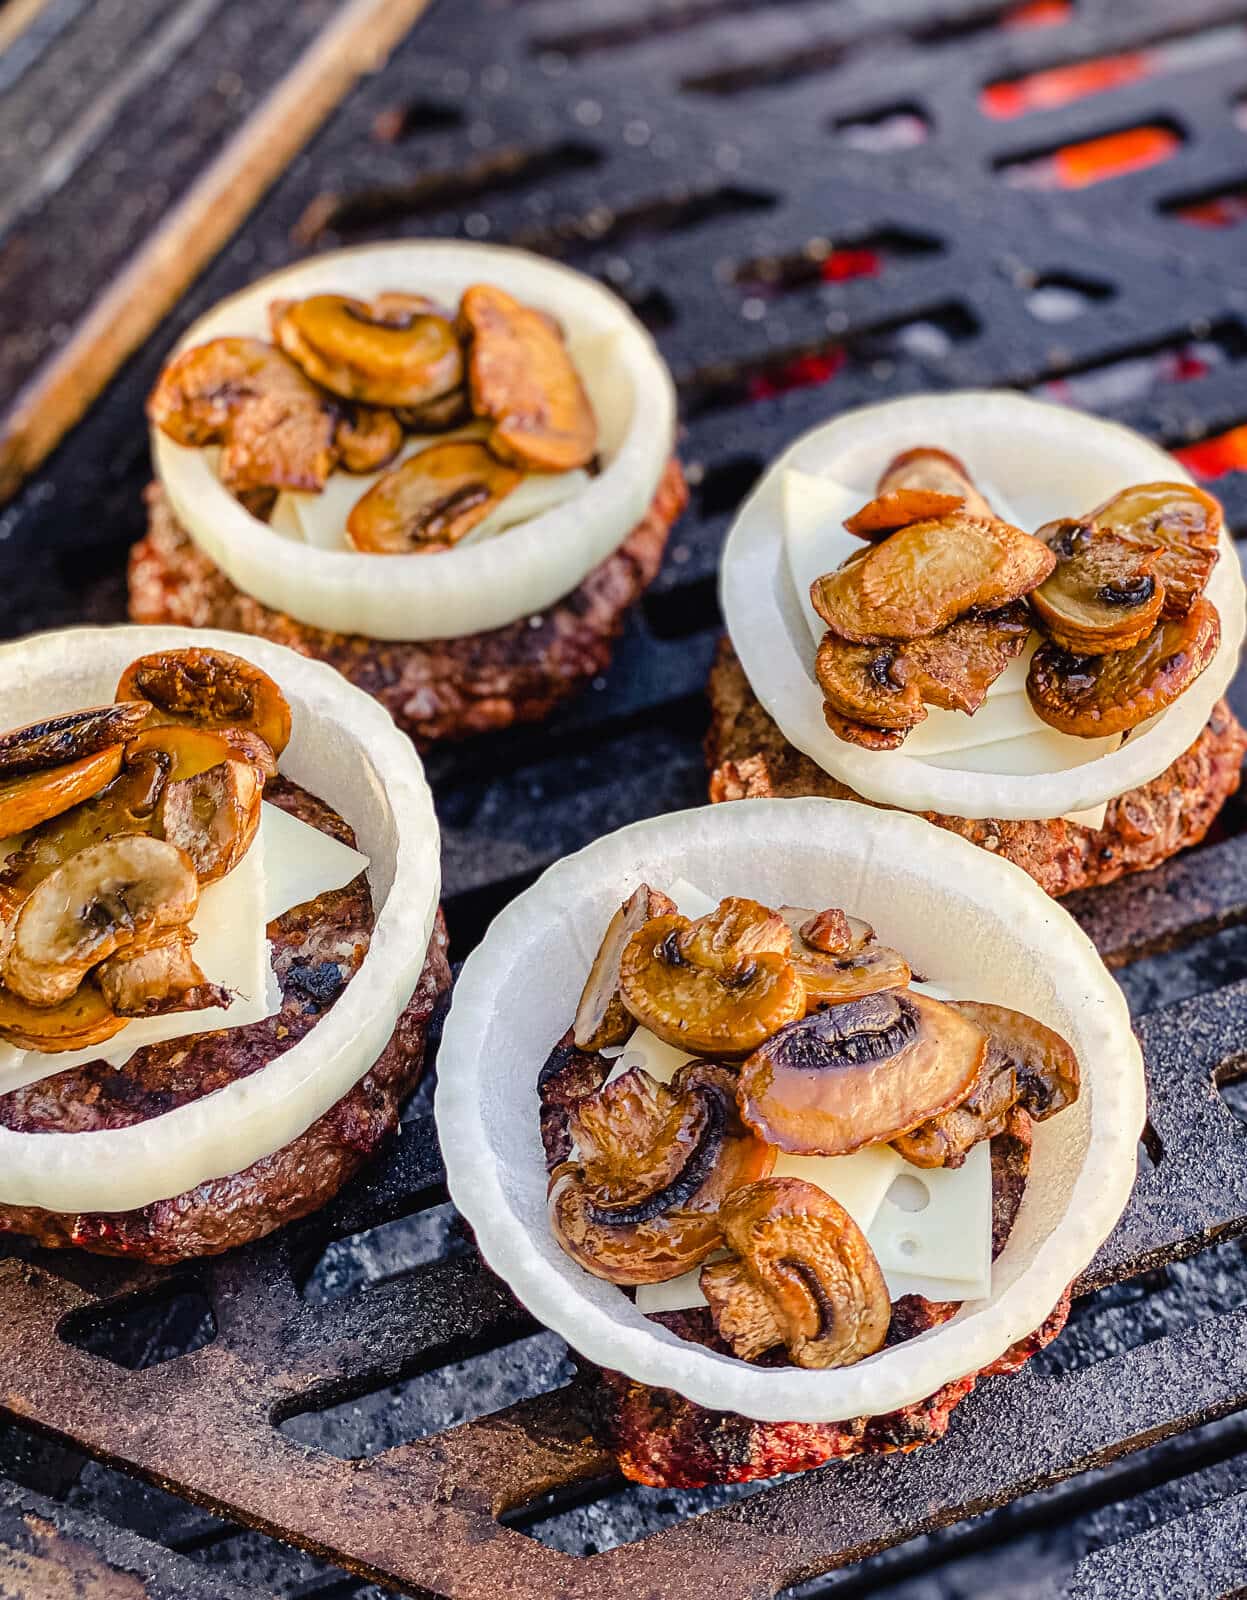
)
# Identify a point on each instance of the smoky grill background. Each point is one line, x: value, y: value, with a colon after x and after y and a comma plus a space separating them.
x: 806, y: 203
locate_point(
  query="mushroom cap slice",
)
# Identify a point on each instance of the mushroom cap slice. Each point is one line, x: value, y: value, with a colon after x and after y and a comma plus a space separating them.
x: 801, y: 1274
x: 934, y: 470
x: 859, y: 1073
x: 1092, y: 696
x: 83, y: 1020
x: 393, y: 350
x: 1048, y: 1076
x: 275, y: 428
x: 1182, y: 522
x: 213, y: 817
x: 211, y: 689
x: 717, y: 986
x: 602, y: 1019
x: 429, y: 502
x: 56, y: 741
x: 861, y: 733
x: 126, y: 805
x: 925, y: 576
x: 107, y: 896
x: 34, y: 797
x: 159, y: 978
x: 521, y: 377
x: 189, y: 750
x: 947, y: 1139
x: 869, y: 683
x: 1103, y: 594
x: 367, y: 438
x: 897, y: 508
x: 846, y: 968
x: 655, y: 1163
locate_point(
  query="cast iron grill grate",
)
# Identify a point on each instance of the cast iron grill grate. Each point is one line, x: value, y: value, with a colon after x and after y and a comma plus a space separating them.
x: 814, y: 204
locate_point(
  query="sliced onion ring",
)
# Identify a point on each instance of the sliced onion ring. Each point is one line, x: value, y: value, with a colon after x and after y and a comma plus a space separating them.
x: 473, y: 588
x: 1048, y: 460
x: 345, y: 749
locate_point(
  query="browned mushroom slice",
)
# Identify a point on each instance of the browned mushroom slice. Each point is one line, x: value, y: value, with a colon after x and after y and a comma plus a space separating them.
x: 449, y: 411
x: 890, y: 685
x: 160, y: 978
x: 58, y: 740
x: 276, y: 430
x: 209, y: 688
x: 801, y: 1275
x: 521, y: 377
x: 83, y: 1020
x: 213, y: 817
x: 105, y: 897
x: 395, y: 350
x: 717, y: 986
x: 191, y: 750
x: 897, y: 509
x: 928, y: 574
x: 367, y: 438
x: 126, y: 805
x: 1093, y: 696
x: 1103, y: 594
x: 861, y: 733
x: 936, y: 471
x: 1044, y: 1063
x: 958, y: 665
x: 1182, y: 522
x: 859, y: 1073
x: 946, y: 1140
x: 845, y: 967
x: 34, y: 797
x: 602, y: 1019
x: 871, y: 684
x: 431, y: 501
x: 641, y: 1203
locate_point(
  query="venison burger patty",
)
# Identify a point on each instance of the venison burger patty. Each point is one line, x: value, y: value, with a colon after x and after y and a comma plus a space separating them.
x: 317, y: 950
x: 749, y: 758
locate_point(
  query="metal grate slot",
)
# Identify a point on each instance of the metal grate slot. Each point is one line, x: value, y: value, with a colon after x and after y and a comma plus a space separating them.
x: 1126, y: 377
x: 378, y: 1255
x: 1223, y: 207
x: 925, y: 335
x: 150, y: 1328
x: 397, y: 123
x: 1092, y: 161
x: 821, y: 260
x: 376, y: 209
x: 658, y: 216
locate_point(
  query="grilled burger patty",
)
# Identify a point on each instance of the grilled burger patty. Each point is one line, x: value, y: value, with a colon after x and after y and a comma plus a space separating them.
x: 317, y: 949
x: 750, y: 758
x: 443, y: 688
x: 661, y: 1439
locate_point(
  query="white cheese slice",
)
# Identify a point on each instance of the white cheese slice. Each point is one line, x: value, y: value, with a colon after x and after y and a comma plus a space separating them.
x: 949, y: 1235
x: 288, y: 864
x: 692, y: 901
x: 647, y: 1051
x: 302, y: 862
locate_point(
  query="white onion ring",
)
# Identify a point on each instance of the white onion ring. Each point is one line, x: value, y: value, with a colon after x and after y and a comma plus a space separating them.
x: 465, y: 590
x: 968, y: 920
x: 1051, y: 462
x: 347, y: 751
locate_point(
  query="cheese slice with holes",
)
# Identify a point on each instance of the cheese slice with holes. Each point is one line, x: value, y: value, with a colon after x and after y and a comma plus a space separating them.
x: 1004, y: 735
x: 288, y: 864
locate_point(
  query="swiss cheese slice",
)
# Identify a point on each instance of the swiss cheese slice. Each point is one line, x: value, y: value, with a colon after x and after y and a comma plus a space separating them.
x: 288, y: 864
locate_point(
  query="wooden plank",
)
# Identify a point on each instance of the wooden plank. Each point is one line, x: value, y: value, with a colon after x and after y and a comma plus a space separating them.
x: 195, y: 229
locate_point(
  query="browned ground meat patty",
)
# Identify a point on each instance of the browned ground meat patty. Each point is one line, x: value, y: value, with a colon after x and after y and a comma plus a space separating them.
x: 317, y: 949
x: 445, y: 688
x: 661, y: 1439
x: 750, y: 759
